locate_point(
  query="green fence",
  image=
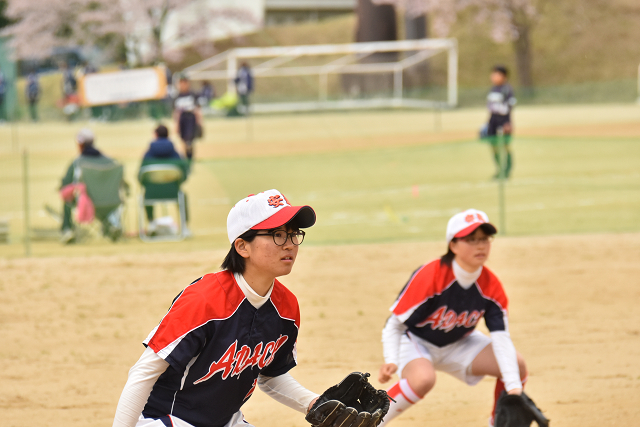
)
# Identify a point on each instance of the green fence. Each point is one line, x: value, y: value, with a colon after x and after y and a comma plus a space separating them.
x: 8, y: 110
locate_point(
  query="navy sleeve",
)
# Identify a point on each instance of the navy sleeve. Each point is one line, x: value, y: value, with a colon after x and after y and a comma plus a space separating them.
x: 495, y: 317
x: 188, y: 348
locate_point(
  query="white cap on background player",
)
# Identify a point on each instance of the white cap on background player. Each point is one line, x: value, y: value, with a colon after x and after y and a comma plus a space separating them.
x: 264, y: 211
x: 464, y: 223
x: 84, y: 136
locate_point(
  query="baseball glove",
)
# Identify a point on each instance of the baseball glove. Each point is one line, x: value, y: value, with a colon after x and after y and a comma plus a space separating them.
x: 518, y: 411
x: 351, y: 403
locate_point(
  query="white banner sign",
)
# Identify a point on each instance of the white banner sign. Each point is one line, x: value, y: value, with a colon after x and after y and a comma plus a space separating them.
x: 123, y: 86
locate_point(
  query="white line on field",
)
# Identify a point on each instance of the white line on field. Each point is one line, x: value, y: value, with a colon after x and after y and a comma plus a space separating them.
x: 465, y: 185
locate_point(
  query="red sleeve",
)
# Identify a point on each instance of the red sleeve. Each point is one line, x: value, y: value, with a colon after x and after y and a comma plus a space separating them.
x: 213, y: 297
x: 426, y: 282
x: 492, y: 289
x: 285, y: 303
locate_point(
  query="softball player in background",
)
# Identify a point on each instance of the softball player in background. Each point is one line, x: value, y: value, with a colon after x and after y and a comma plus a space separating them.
x: 227, y: 332
x: 432, y: 325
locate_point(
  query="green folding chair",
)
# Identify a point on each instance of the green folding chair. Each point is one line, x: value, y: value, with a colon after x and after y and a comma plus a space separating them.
x: 161, y: 185
x: 103, y: 178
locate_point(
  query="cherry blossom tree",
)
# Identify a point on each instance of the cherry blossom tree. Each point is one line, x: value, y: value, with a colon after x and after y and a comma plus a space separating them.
x: 4, y: 21
x: 509, y: 21
x: 39, y: 29
x: 443, y: 13
x: 512, y: 21
x: 193, y: 27
x: 140, y: 24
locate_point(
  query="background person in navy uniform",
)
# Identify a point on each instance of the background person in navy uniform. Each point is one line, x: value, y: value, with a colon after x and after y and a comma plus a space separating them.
x: 187, y: 115
x: 32, y: 93
x: 207, y: 93
x: 500, y: 102
x: 432, y: 323
x: 244, y: 87
x: 228, y: 332
x: 162, y: 151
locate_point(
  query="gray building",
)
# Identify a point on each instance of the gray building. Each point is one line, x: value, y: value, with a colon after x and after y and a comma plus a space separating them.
x: 279, y: 12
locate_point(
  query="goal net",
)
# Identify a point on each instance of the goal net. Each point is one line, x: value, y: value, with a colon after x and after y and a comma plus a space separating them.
x: 408, y: 73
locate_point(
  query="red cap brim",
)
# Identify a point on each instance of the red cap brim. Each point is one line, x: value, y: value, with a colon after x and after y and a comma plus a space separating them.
x: 300, y: 216
x: 490, y: 229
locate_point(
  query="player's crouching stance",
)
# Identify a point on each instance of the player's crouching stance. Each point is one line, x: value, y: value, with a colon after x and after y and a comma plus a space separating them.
x: 433, y: 320
x: 227, y: 332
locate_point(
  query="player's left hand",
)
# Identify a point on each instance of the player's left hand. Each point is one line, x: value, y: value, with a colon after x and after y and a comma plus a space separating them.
x: 516, y: 391
x: 311, y: 404
x: 352, y: 402
x: 386, y: 371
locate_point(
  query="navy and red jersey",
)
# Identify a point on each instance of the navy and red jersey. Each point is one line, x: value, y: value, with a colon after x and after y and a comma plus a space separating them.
x: 216, y: 344
x: 437, y: 309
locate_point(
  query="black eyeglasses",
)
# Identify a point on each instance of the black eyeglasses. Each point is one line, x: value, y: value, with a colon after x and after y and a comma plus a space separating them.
x: 280, y: 237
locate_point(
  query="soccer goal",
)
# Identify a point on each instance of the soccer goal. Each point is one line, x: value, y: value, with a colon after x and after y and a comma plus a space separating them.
x: 407, y: 74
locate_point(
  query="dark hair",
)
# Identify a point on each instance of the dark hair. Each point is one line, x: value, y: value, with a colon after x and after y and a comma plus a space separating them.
x: 233, y: 261
x: 501, y: 69
x: 162, y: 131
x: 447, y: 258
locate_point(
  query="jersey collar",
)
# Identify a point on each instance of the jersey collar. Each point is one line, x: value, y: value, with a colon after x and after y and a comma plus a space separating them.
x: 463, y: 277
x: 252, y: 296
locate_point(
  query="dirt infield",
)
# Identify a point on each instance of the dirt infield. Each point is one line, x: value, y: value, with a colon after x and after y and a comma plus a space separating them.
x: 72, y: 327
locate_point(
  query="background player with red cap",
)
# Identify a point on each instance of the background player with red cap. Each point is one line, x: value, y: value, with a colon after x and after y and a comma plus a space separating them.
x: 432, y: 325
x: 227, y: 332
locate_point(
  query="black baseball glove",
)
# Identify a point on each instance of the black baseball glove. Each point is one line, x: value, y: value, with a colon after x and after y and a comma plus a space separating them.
x: 352, y: 403
x: 515, y: 410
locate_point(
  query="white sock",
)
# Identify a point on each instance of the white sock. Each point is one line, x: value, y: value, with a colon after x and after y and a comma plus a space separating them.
x: 404, y: 398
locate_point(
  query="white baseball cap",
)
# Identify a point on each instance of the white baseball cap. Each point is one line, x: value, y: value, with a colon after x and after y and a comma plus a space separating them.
x: 264, y: 211
x: 464, y: 223
x: 84, y: 136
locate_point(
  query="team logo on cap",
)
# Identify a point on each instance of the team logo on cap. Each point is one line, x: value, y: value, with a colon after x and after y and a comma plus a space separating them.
x: 276, y: 201
x: 471, y: 217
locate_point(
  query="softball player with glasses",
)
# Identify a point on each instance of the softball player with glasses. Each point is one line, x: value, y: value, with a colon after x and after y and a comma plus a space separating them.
x: 433, y: 320
x: 228, y: 332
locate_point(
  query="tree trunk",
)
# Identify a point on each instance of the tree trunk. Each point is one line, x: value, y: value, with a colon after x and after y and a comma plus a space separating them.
x: 375, y: 23
x: 416, y: 28
x: 522, y: 48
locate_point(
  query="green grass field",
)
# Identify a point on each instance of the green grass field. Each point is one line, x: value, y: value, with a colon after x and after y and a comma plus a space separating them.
x: 562, y: 186
x: 371, y: 176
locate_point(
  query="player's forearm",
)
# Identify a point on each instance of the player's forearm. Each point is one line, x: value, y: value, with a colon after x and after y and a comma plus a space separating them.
x: 286, y: 390
x: 507, y: 359
x: 142, y: 376
x: 391, y: 335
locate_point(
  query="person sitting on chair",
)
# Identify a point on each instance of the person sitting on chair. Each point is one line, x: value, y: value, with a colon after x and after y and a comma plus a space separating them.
x: 88, y: 155
x: 161, y: 151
